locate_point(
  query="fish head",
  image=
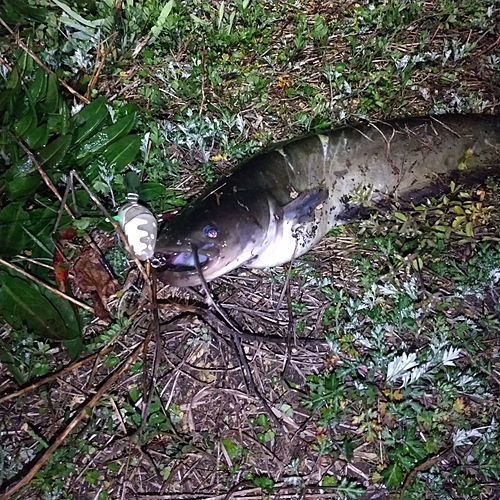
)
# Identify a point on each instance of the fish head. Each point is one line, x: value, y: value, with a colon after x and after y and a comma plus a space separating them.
x: 223, y: 230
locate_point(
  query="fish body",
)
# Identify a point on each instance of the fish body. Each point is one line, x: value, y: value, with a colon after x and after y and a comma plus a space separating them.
x: 278, y: 204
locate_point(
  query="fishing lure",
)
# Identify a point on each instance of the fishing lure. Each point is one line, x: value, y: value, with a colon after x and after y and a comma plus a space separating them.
x: 137, y: 222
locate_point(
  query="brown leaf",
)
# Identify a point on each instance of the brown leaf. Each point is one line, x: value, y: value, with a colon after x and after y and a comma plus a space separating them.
x: 67, y: 233
x: 91, y: 277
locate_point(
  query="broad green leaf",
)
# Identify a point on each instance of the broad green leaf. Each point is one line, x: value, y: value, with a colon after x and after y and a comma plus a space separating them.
x: 75, y: 26
x: 38, y: 138
x: 42, y: 220
x: 151, y: 190
x: 14, y: 80
x: 68, y: 311
x: 53, y: 124
x: 21, y: 188
x: 74, y: 346
x: 82, y: 203
x: 37, y: 246
x: 22, y: 303
x: 65, y: 117
x: 72, y: 320
x: 221, y: 15
x: 232, y: 449
x: 134, y: 394
x: 26, y: 124
x: 25, y: 62
x: 40, y: 243
x: 199, y: 20
x: 53, y: 154
x: 12, y: 236
x: 266, y: 483
x: 393, y: 475
x: 122, y: 152
x: 101, y: 140
x: 60, y: 123
x: 51, y: 102
x: 91, y: 172
x: 89, y: 119
x: 128, y: 109
x: 415, y: 449
x: 38, y: 86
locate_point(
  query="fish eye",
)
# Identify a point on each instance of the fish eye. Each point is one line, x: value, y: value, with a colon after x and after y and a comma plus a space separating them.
x: 210, y: 231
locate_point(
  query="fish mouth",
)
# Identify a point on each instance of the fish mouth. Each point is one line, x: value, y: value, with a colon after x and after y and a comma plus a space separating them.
x: 178, y: 261
x: 184, y: 267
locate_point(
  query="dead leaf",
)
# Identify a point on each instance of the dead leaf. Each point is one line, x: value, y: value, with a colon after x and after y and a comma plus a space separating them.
x: 91, y: 277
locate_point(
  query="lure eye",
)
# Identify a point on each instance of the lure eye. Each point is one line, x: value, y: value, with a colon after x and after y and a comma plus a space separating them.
x: 210, y: 232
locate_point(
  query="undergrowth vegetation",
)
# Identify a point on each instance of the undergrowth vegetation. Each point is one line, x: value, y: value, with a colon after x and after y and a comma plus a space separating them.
x: 377, y: 355
x: 409, y: 350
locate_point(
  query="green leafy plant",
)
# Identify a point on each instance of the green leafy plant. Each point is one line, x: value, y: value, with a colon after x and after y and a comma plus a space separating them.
x: 41, y: 136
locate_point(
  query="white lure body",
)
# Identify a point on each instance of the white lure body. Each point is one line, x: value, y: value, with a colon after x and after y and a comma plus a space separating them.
x: 140, y: 227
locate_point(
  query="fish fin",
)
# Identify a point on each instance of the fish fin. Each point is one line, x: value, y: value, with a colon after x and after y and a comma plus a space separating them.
x: 302, y: 208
